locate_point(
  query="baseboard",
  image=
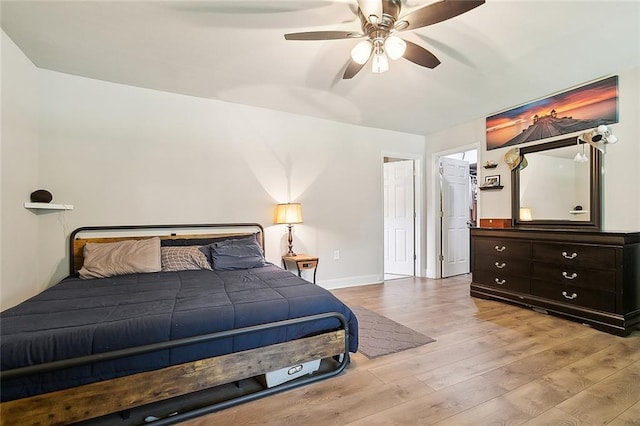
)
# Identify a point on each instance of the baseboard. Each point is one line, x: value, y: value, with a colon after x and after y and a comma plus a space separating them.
x: 350, y: 281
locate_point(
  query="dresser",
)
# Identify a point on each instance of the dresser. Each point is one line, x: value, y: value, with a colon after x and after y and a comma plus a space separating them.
x: 587, y: 276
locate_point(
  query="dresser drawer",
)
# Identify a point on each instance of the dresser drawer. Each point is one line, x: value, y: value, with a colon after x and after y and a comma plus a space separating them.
x: 576, y: 254
x: 503, y: 281
x: 579, y: 296
x: 580, y: 277
x: 499, y: 264
x: 506, y: 248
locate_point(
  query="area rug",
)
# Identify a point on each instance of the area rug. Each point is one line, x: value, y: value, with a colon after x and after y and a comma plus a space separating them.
x: 378, y: 335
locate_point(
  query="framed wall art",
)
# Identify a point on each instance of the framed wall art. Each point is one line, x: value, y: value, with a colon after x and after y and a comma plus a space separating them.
x: 490, y: 181
x: 572, y: 111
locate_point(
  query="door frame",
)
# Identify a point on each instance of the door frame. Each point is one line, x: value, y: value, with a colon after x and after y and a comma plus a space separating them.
x: 434, y: 206
x: 418, y: 239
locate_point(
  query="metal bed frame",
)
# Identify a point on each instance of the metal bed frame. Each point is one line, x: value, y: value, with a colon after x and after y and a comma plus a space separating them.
x: 35, y: 408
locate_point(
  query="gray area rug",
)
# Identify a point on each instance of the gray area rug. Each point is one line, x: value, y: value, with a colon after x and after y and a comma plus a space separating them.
x: 378, y: 335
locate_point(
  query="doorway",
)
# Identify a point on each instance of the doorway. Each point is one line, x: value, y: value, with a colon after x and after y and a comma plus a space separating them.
x: 400, y: 213
x: 458, y: 210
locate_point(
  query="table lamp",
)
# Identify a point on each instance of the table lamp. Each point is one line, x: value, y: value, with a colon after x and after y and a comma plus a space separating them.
x: 289, y: 214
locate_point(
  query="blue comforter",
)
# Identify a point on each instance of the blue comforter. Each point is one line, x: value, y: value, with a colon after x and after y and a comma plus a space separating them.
x: 82, y: 317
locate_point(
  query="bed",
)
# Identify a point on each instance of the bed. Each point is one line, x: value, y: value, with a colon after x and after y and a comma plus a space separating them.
x: 106, y: 339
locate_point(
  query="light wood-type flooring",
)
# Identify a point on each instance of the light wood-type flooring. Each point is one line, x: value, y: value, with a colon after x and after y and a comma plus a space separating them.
x: 492, y: 364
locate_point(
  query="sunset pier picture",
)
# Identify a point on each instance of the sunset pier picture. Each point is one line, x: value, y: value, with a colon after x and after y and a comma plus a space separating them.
x: 578, y: 109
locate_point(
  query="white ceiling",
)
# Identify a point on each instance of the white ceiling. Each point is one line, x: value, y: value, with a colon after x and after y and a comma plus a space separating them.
x: 499, y: 55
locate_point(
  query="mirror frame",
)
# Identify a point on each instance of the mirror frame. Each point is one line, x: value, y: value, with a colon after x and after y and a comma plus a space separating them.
x: 595, y: 203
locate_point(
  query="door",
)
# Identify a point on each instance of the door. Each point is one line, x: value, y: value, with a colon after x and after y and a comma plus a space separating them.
x: 455, y: 203
x: 399, y: 217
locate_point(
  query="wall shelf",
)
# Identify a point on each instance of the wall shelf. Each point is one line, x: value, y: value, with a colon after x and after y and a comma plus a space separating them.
x: 48, y: 206
x: 578, y: 211
x: 485, y: 188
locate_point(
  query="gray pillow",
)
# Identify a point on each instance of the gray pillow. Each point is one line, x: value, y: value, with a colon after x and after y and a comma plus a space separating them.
x: 207, y: 249
x: 237, y: 253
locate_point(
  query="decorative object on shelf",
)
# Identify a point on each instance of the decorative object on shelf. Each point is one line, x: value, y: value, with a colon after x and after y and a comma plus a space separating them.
x: 574, y: 110
x: 491, y: 181
x: 490, y: 165
x: 598, y: 138
x: 525, y: 214
x: 578, y: 207
x: 41, y: 196
x: 289, y: 214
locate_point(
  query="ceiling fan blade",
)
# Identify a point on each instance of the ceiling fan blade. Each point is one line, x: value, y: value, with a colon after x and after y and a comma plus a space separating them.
x: 370, y: 7
x: 352, y: 69
x: 420, y: 56
x: 323, y: 35
x: 437, y: 12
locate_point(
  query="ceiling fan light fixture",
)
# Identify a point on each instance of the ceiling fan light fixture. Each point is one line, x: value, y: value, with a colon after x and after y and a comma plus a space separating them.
x: 380, y: 62
x: 395, y: 47
x: 361, y: 52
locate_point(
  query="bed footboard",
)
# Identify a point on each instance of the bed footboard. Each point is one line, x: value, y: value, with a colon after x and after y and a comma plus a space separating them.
x: 105, y: 397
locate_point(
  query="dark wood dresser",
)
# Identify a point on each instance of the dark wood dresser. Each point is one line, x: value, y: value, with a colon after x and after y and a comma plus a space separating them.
x: 588, y: 276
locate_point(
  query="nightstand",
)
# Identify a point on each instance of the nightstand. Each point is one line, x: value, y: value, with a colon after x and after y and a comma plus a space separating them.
x: 301, y: 261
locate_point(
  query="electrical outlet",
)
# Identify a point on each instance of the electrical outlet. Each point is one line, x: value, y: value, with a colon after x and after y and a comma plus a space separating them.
x: 336, y: 255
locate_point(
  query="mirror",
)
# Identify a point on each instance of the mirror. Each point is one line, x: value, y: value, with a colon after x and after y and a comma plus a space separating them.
x: 554, y: 190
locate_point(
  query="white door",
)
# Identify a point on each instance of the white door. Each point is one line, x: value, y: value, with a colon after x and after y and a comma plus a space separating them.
x: 455, y: 216
x: 398, y: 218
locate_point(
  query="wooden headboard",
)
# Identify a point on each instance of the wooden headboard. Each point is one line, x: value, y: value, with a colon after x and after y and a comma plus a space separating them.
x: 111, y: 234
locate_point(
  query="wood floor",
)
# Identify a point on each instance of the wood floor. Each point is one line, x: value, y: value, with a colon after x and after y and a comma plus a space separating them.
x: 492, y: 363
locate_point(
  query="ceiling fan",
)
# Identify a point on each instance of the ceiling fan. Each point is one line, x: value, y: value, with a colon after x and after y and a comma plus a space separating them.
x: 380, y: 22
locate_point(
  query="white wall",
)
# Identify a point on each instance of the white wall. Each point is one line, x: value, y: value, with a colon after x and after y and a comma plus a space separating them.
x: 126, y: 155
x: 18, y: 170
x: 621, y: 203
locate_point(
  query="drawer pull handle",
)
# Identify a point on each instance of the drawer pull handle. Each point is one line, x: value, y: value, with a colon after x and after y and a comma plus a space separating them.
x: 569, y: 256
x: 573, y: 296
x: 570, y: 277
x: 500, y: 265
x: 500, y: 282
x: 500, y: 249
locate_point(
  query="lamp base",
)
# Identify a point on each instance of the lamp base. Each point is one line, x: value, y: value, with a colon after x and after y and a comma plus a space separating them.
x: 290, y: 252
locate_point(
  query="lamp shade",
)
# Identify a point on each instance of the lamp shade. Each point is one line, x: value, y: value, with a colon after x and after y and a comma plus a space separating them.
x: 289, y: 213
x: 395, y: 47
x: 361, y: 52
